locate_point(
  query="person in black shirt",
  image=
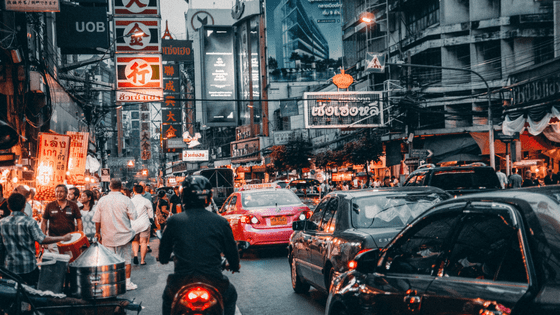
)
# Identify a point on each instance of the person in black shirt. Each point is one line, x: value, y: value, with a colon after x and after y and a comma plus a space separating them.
x: 4, y: 210
x: 175, y: 201
x: 198, y: 237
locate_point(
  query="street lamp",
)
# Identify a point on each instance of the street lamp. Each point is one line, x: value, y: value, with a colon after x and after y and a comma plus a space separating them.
x: 368, y: 18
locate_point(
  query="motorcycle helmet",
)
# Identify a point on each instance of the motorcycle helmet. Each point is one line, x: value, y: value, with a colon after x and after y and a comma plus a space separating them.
x: 197, y: 192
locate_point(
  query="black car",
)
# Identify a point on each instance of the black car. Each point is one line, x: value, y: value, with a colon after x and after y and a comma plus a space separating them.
x: 490, y: 253
x: 346, y: 222
x: 457, y: 180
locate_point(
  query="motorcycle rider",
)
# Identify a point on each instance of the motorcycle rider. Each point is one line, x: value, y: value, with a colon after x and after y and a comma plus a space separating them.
x: 198, y: 237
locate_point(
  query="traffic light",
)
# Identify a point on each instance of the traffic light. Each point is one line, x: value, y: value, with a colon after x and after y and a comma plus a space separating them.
x: 145, y: 172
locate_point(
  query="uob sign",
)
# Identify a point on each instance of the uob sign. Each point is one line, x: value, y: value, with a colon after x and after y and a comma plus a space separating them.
x: 82, y: 30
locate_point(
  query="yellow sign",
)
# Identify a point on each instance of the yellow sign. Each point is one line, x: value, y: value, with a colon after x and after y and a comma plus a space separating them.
x: 342, y: 80
x: 77, y: 157
x: 53, y: 164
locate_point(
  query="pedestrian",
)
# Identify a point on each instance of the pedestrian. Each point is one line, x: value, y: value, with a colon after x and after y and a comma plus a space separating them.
x: 175, y: 201
x: 529, y: 179
x: 113, y: 225
x: 4, y: 210
x: 515, y: 180
x: 387, y: 182
x: 162, y: 209
x: 198, y: 238
x: 550, y: 178
x: 394, y: 181
x: 61, y: 216
x: 87, y: 198
x: 26, y: 192
x: 18, y: 234
x: 127, y: 192
x: 501, y: 177
x: 322, y: 189
x: 146, y: 193
x: 142, y: 224
x: 74, y: 195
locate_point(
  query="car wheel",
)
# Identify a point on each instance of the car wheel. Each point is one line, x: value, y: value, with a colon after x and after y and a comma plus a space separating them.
x: 329, y: 279
x: 339, y: 309
x: 298, y: 285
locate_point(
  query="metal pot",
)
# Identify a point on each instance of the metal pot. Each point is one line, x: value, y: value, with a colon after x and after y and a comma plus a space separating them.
x: 98, y: 273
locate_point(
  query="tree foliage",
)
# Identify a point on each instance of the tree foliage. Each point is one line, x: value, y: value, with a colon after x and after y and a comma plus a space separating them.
x: 294, y: 155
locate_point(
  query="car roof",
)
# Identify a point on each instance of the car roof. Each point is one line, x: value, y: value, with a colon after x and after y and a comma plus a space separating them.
x: 389, y: 190
x: 451, y: 168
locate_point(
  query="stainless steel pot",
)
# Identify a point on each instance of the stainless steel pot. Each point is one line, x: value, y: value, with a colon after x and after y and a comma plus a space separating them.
x: 98, y: 273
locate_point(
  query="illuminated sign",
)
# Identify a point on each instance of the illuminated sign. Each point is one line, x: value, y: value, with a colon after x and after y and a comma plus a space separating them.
x: 136, y: 7
x: 195, y: 155
x: 77, y: 157
x: 33, y: 6
x: 140, y: 95
x: 342, y: 80
x: 133, y: 35
x: 52, y: 164
x: 343, y: 109
x: 139, y: 71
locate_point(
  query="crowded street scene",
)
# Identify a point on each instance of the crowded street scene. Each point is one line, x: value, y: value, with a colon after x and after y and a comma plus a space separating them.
x: 248, y: 157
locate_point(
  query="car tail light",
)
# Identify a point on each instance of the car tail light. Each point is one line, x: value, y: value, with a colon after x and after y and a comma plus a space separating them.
x: 352, y: 264
x: 249, y: 219
x: 305, y: 215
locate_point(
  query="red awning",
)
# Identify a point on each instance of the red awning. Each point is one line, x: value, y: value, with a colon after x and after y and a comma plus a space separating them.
x: 528, y: 143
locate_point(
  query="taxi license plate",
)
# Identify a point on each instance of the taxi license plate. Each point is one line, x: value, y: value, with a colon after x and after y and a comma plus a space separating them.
x: 278, y: 221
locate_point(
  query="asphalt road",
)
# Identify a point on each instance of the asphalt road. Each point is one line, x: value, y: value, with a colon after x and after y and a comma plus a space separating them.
x: 263, y: 285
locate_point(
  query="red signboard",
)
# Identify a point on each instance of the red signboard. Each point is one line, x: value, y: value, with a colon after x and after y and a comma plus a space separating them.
x: 52, y: 164
x: 133, y: 35
x: 136, y: 7
x: 139, y: 71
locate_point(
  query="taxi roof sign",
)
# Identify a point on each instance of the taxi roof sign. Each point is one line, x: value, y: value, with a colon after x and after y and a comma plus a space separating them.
x: 259, y: 186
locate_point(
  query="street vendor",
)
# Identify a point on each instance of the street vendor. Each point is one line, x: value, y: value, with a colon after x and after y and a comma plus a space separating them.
x: 60, y: 216
x: 18, y: 234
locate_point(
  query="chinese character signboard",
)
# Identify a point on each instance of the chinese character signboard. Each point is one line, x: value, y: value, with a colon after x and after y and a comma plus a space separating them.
x: 33, y: 6
x: 137, y: 36
x: 145, y: 144
x: 52, y: 164
x: 77, y: 157
x: 136, y: 7
x: 139, y: 78
x: 195, y: 155
x: 171, y: 109
x: 343, y: 109
x: 171, y: 131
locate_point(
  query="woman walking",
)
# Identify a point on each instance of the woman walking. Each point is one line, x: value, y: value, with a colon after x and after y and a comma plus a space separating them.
x: 87, y: 198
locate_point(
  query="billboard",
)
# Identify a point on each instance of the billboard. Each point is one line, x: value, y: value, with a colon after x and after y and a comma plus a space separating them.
x: 139, y: 71
x: 32, y: 6
x: 80, y: 30
x: 136, y: 8
x: 195, y: 155
x: 177, y: 50
x: 343, y: 109
x: 304, y: 39
x: 218, y: 69
x: 137, y: 35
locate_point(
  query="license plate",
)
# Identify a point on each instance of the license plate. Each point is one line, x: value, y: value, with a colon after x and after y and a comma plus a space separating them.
x: 278, y: 221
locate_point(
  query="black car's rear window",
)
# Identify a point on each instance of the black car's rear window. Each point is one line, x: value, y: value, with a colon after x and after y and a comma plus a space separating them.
x: 380, y: 211
x: 465, y: 179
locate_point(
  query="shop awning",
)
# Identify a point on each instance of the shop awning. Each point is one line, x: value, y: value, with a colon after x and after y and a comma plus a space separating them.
x: 528, y: 143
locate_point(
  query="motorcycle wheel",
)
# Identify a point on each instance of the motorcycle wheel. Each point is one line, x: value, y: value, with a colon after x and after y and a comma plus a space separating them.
x: 298, y: 285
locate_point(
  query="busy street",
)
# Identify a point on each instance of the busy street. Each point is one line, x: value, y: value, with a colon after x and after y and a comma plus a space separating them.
x: 244, y: 157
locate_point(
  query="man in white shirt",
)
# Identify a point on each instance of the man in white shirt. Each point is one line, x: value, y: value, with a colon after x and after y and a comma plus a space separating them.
x: 142, y: 224
x: 113, y: 217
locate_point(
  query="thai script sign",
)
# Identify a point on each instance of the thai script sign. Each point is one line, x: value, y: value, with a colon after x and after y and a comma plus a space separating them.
x: 177, y: 50
x: 535, y: 91
x: 77, y: 158
x: 343, y: 109
x: 195, y: 155
x: 33, y: 6
x: 283, y: 137
x: 52, y: 165
x: 245, y: 150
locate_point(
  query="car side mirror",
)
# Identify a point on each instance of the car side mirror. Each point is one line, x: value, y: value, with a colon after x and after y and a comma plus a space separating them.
x: 366, y: 262
x: 299, y: 225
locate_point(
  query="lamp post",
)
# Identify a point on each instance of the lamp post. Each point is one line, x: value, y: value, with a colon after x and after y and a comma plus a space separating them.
x: 490, y: 125
x: 368, y: 18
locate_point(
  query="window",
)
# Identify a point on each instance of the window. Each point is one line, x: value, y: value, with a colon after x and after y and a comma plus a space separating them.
x: 328, y: 219
x: 487, y: 248
x: 315, y: 219
x: 420, y: 248
x: 232, y: 204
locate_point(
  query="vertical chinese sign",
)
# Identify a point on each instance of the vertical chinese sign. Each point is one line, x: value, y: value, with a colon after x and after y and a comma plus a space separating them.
x: 145, y: 144
x: 171, y: 109
x: 77, y: 157
x: 53, y: 163
x: 138, y: 50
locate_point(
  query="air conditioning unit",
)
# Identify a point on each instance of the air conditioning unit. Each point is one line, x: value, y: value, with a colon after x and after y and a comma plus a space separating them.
x: 36, y: 82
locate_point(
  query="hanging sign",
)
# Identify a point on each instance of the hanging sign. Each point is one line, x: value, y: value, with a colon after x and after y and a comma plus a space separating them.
x: 133, y: 35
x: 195, y: 155
x: 52, y: 165
x: 375, y: 62
x: 33, y: 6
x: 77, y: 157
x: 136, y: 7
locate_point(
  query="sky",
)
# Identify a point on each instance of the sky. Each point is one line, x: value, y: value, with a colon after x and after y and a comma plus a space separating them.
x: 173, y: 11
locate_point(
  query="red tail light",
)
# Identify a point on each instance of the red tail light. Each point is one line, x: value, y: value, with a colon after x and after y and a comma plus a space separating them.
x: 352, y: 264
x: 305, y: 215
x: 249, y: 219
x: 198, y: 295
x: 198, y: 299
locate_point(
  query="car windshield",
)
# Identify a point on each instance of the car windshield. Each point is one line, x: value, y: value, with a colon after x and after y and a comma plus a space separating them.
x: 269, y: 198
x: 463, y: 179
x: 381, y: 211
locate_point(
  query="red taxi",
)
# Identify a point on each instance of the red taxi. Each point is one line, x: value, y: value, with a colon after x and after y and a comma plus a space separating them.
x: 261, y: 215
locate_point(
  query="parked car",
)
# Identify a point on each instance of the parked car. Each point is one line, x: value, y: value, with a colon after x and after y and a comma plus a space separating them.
x: 281, y: 183
x: 263, y: 216
x: 346, y: 222
x: 457, y: 180
x: 308, y: 190
x: 489, y: 253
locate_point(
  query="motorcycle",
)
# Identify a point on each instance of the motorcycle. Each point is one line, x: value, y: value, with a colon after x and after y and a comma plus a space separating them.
x: 200, y: 296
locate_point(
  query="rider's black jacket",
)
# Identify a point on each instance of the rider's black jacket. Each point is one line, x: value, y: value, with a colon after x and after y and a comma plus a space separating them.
x: 198, y: 237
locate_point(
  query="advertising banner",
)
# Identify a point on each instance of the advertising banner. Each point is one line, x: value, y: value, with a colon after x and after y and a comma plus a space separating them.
x: 137, y: 35
x: 52, y: 164
x: 80, y: 30
x: 283, y: 137
x: 218, y: 76
x: 77, y: 159
x: 177, y: 50
x: 304, y: 39
x: 33, y: 6
x: 105, y: 175
x: 245, y: 150
x: 136, y: 8
x: 343, y: 109
x: 195, y: 155
x: 139, y: 71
